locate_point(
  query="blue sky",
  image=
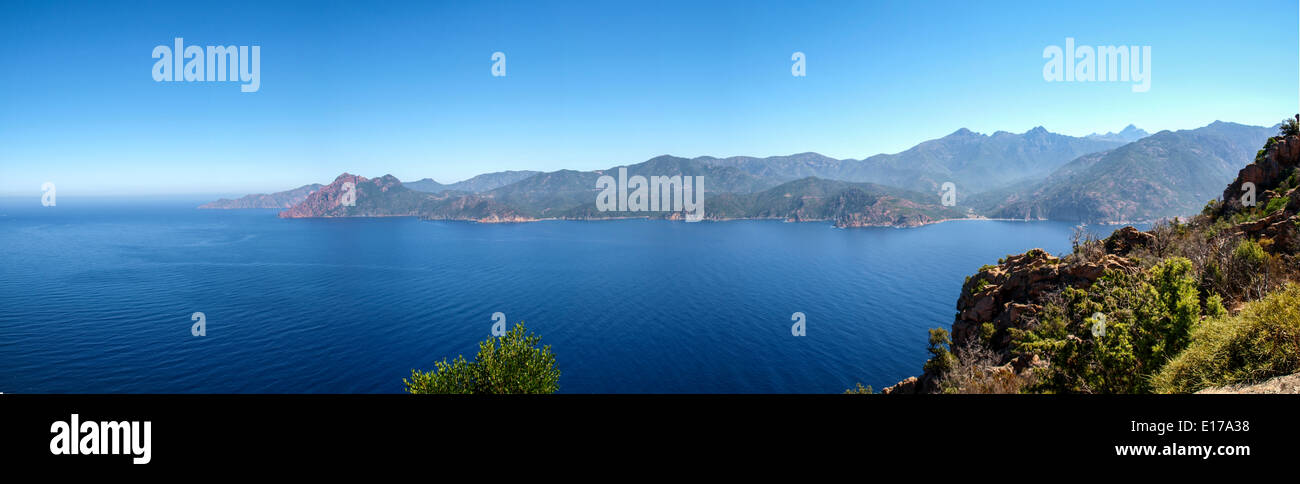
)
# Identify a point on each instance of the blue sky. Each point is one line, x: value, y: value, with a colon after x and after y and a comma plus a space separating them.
x: 388, y: 87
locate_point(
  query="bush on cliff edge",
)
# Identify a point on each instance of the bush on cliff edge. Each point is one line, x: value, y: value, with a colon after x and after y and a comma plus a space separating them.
x: 1116, y: 334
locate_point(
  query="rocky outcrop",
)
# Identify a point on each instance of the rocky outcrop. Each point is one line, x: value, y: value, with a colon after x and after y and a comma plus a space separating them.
x: 1010, y: 295
x: 1276, y: 161
x: 1126, y: 239
x: 378, y: 197
x: 1280, y: 226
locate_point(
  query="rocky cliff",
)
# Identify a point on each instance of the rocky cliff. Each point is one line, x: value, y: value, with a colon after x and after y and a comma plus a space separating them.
x: 1010, y: 295
x: 378, y: 197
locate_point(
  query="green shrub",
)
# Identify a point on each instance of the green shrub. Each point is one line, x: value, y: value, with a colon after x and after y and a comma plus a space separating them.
x: 508, y: 364
x: 1290, y: 127
x: 1175, y: 281
x: 1148, y: 318
x: 1250, y: 253
x: 941, y: 358
x: 1276, y: 204
x: 1214, y: 307
x: 987, y: 330
x: 1260, y: 342
x: 1210, y: 207
x: 860, y: 390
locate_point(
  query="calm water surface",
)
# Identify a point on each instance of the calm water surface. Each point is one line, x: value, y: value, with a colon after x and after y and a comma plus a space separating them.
x: 96, y: 296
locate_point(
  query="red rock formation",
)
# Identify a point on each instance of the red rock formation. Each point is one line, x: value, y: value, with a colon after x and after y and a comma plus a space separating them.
x: 326, y: 202
x: 375, y: 197
x: 1266, y: 173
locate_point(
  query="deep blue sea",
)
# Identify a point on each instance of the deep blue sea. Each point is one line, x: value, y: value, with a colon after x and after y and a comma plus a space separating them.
x: 97, y: 295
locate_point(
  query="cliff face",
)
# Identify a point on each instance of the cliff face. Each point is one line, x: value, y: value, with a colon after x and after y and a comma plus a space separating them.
x: 1271, y: 166
x: 1274, y: 174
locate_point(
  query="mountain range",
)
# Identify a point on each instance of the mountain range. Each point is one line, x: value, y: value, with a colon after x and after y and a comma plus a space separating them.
x: 480, y: 183
x: 1167, y: 174
x: 283, y: 199
x: 1113, y: 177
x: 974, y: 162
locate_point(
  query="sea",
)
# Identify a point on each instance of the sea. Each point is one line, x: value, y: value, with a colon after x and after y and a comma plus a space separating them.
x: 100, y: 295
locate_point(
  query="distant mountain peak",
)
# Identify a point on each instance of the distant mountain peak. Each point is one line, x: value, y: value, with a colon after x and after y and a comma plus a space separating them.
x: 1129, y: 134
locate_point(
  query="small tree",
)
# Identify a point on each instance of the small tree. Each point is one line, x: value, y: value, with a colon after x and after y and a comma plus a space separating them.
x: 1290, y: 127
x: 941, y: 358
x: 513, y: 363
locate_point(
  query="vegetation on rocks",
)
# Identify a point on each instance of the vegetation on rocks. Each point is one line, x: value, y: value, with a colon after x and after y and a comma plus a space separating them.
x: 1186, y: 306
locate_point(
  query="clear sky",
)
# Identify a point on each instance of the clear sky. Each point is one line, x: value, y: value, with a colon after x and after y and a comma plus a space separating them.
x: 388, y: 87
